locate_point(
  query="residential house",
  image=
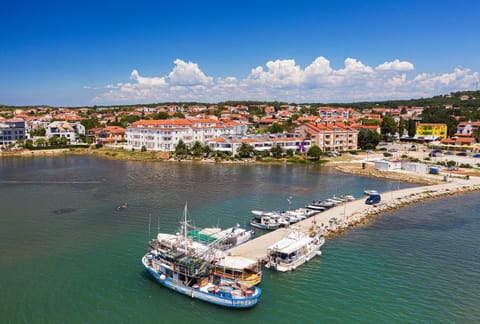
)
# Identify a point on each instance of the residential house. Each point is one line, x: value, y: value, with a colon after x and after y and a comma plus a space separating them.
x: 71, y: 131
x: 108, y: 134
x: 467, y: 129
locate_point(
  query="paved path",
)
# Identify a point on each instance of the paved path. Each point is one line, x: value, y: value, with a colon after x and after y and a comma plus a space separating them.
x: 340, y: 217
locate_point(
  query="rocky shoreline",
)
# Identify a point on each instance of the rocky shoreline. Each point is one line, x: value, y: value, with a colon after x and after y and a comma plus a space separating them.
x: 368, y: 213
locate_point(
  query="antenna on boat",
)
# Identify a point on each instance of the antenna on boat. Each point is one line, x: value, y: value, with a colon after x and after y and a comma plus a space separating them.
x: 149, y: 225
x: 158, y: 224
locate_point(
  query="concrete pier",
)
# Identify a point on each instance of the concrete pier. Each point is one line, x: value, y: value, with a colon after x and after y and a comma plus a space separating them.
x: 339, y: 218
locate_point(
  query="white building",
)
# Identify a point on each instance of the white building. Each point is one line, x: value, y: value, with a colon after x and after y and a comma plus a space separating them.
x: 11, y: 130
x: 415, y: 167
x: 260, y: 143
x: 71, y: 131
x: 164, y: 135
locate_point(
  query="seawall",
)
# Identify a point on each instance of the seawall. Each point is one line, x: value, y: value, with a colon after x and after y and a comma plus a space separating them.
x: 338, y: 219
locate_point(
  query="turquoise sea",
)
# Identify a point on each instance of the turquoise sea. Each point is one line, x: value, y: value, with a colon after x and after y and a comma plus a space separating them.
x: 68, y: 256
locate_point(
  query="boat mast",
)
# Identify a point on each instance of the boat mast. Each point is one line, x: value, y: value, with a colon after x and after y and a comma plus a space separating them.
x: 149, y: 222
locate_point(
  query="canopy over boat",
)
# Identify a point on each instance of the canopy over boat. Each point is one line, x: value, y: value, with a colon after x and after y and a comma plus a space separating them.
x: 237, y: 263
x: 289, y: 244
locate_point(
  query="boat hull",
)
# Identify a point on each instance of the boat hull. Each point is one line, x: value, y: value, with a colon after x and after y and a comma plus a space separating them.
x: 217, y: 299
x: 264, y: 227
x: 283, y: 267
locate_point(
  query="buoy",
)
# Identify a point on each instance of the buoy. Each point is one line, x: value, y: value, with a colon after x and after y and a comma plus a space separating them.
x: 319, y: 252
x: 162, y: 277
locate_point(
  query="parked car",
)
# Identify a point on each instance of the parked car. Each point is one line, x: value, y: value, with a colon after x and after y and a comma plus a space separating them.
x: 435, y: 153
x: 383, y: 149
x: 477, y: 155
x: 393, y: 150
x: 462, y: 154
x: 448, y: 153
x: 374, y: 198
x: 386, y: 154
x: 354, y: 152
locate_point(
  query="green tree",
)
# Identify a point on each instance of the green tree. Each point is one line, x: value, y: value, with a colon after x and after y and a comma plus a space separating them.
x: 476, y: 135
x: 275, y: 128
x: 161, y: 115
x: 90, y: 123
x: 129, y: 119
x: 401, y: 127
x: 178, y: 115
x: 197, y: 149
x: 207, y: 150
x: 245, y: 150
x: 277, y: 151
x: 411, y: 128
x: 38, y: 132
x: 53, y: 141
x: 181, y: 149
x: 388, y: 126
x: 40, y: 142
x: 314, y: 152
x: 29, y: 143
x: 368, y: 140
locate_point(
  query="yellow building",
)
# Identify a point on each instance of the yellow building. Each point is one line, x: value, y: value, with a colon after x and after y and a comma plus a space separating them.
x: 431, y: 130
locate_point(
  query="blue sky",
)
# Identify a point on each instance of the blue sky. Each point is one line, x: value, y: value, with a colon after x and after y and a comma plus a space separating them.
x: 117, y: 52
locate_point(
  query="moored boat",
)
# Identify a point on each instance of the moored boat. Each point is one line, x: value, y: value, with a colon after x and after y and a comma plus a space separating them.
x: 191, y: 277
x: 265, y: 222
x: 224, y: 239
x: 294, y: 250
x: 188, y: 267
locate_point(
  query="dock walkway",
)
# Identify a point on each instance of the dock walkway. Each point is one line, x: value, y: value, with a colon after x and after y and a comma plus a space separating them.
x: 339, y: 218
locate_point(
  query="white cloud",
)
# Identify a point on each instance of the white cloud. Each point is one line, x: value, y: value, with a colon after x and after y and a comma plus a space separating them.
x: 154, y: 82
x: 187, y: 74
x: 286, y: 80
x: 395, y: 65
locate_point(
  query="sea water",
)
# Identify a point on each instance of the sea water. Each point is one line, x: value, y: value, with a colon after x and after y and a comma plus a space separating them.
x: 68, y: 255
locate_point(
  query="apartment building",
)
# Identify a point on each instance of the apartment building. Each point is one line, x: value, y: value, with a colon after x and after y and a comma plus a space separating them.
x: 431, y: 131
x: 11, y: 130
x: 164, y: 135
x: 329, y: 137
x: 261, y: 142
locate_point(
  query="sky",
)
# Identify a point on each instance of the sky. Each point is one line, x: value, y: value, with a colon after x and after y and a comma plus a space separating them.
x: 84, y: 53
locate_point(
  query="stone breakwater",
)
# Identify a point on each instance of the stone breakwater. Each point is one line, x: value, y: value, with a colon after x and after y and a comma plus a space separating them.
x: 337, y: 226
x: 340, y: 218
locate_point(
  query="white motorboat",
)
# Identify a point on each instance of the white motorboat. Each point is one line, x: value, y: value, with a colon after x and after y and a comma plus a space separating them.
x: 293, y: 251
